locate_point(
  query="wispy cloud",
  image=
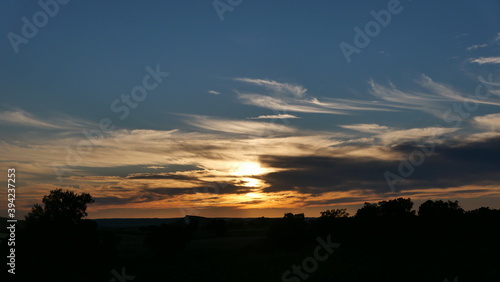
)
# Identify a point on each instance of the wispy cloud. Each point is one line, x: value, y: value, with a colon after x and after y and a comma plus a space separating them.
x: 245, y: 127
x: 476, y: 46
x: 23, y: 118
x: 386, y: 135
x: 279, y: 116
x: 416, y: 100
x: 213, y: 92
x: 294, y: 90
x: 431, y: 96
x: 294, y: 98
x: 491, y: 42
x: 452, y: 94
x: 413, y: 134
x: 368, y: 128
x: 485, y: 60
x: 280, y: 104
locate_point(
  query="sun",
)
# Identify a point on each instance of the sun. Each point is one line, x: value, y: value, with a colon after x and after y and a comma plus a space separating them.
x: 247, y: 169
x: 251, y: 182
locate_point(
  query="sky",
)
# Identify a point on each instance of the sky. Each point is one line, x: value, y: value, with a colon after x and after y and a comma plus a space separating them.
x: 238, y: 108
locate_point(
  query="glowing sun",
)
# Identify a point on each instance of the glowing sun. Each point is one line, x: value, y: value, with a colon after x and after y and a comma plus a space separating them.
x: 247, y: 169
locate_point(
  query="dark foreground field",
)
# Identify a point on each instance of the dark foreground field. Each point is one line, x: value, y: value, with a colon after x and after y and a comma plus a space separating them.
x: 367, y: 247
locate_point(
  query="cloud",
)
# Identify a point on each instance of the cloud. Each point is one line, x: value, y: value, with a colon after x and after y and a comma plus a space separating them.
x: 491, y: 121
x: 452, y: 94
x: 156, y: 167
x: 387, y: 135
x: 277, y: 104
x: 294, y: 90
x: 214, y: 92
x: 239, y: 126
x: 20, y: 117
x: 279, y: 116
x: 477, y: 46
x: 161, y: 189
x: 414, y: 134
x: 485, y: 60
x: 416, y: 100
x: 451, y: 165
x: 368, y: 128
x: 161, y: 176
x: 215, y: 144
x: 294, y: 98
x: 432, y: 97
x: 492, y: 41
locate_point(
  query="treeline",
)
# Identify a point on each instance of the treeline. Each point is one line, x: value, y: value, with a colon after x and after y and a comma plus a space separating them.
x: 390, y: 241
x: 402, y: 207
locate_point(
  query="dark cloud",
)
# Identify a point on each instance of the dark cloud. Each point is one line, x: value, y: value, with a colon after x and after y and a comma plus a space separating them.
x: 252, y: 202
x: 317, y: 175
x: 210, y: 188
x: 328, y: 202
x: 451, y: 164
x: 126, y: 200
x: 124, y: 171
x: 148, y: 194
x: 161, y: 176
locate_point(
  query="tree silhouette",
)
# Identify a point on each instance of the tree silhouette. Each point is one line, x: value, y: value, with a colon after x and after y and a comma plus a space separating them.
x: 294, y: 217
x: 440, y: 208
x: 61, y: 208
x: 58, y: 231
x: 393, y: 208
x: 484, y: 212
x: 335, y: 213
x: 368, y: 211
x: 397, y: 207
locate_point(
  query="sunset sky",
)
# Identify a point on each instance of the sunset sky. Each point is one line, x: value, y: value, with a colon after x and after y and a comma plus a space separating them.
x: 168, y: 108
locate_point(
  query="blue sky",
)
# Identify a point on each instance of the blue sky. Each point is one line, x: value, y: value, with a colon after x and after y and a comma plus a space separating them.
x: 266, y: 73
